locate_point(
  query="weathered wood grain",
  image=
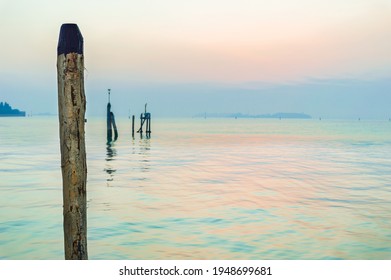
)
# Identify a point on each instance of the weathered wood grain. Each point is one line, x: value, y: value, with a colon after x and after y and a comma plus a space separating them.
x: 71, y: 109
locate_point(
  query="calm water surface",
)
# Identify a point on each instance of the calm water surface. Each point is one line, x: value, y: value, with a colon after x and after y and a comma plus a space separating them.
x: 204, y: 189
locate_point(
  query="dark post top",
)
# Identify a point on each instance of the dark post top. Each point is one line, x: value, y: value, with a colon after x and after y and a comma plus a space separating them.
x: 70, y: 40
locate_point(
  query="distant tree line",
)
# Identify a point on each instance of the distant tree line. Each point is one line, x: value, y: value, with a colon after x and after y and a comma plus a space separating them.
x: 6, y: 109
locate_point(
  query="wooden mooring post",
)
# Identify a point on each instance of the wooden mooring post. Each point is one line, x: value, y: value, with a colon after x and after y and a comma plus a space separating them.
x: 71, y: 109
x: 133, y: 126
x: 145, y: 118
x: 148, y: 119
x: 110, y: 122
x: 141, y: 124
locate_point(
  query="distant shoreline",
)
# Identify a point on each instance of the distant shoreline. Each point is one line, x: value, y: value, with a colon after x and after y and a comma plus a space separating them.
x: 262, y: 116
x: 7, y: 111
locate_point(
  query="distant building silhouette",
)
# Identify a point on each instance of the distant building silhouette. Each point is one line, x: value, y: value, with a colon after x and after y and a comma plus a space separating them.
x: 7, y: 111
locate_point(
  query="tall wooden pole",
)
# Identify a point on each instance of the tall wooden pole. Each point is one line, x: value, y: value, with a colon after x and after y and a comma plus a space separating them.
x: 109, y: 126
x: 71, y: 109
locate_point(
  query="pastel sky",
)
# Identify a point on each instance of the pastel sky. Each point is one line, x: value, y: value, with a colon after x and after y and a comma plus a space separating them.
x: 221, y: 55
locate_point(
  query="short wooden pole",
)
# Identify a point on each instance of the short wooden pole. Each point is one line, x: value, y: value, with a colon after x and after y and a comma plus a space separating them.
x: 141, y: 124
x: 133, y: 126
x: 71, y: 109
x: 149, y: 124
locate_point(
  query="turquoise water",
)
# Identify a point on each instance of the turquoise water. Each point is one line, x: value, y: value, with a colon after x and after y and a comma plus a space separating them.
x: 204, y: 189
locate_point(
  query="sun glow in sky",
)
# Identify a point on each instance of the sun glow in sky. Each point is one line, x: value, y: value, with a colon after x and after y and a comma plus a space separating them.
x: 203, y: 41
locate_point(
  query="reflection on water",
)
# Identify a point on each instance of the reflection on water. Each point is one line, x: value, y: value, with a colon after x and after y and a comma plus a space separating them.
x: 111, y: 153
x: 144, y: 154
x: 222, y: 189
x: 146, y: 136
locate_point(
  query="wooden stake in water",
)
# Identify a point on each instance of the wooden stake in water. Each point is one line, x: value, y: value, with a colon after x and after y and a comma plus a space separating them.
x: 145, y: 118
x: 133, y: 126
x: 71, y: 109
x: 109, y: 125
x: 148, y: 116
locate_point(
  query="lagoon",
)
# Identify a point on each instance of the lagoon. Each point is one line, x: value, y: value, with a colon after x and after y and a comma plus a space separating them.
x: 204, y: 189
